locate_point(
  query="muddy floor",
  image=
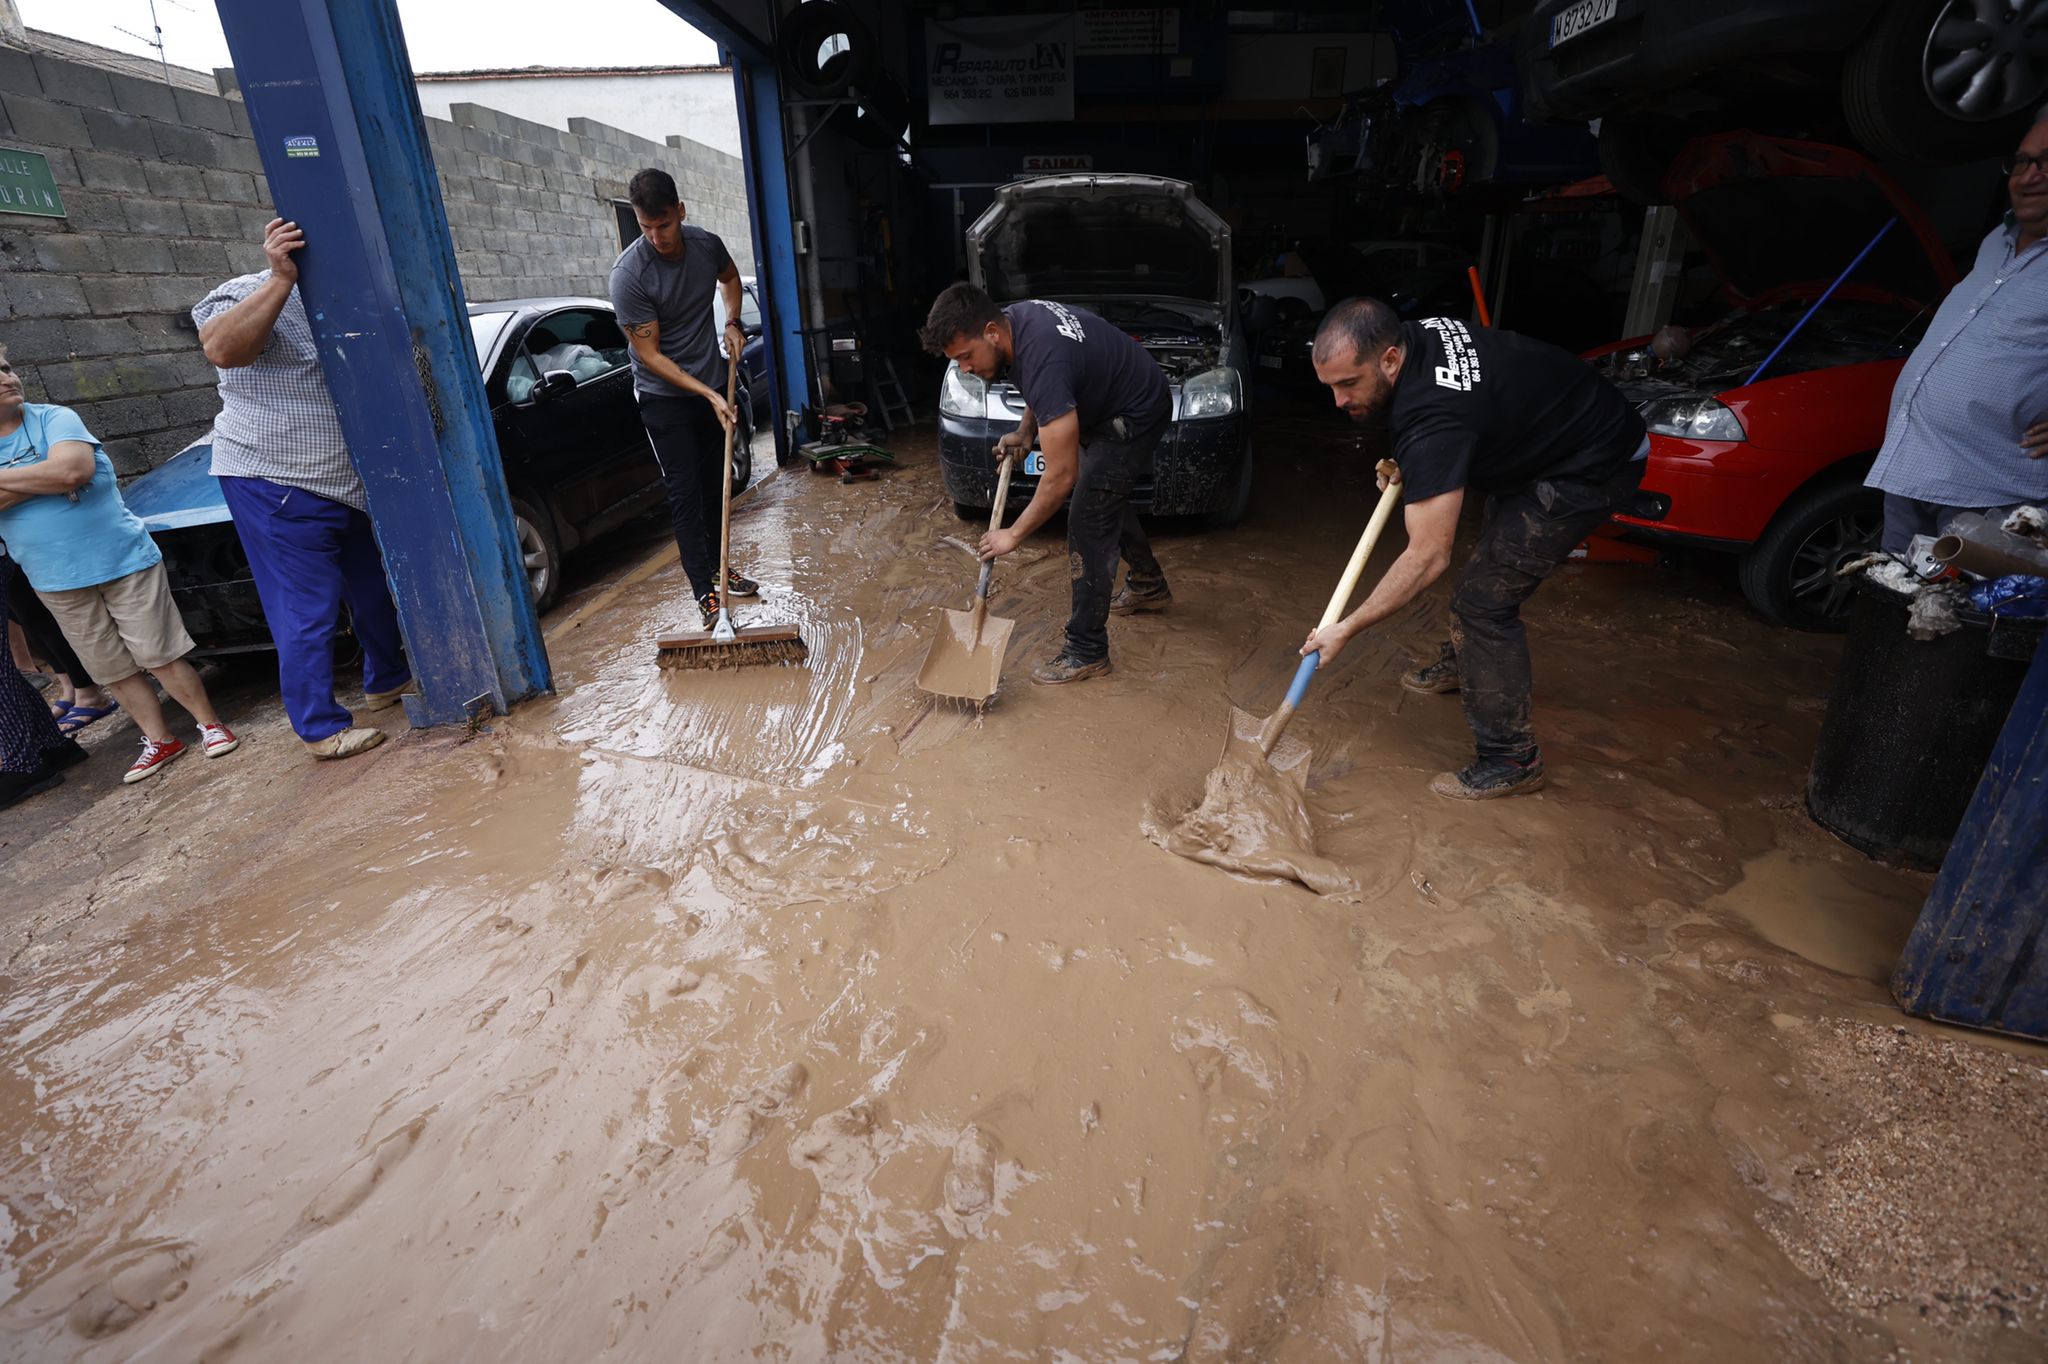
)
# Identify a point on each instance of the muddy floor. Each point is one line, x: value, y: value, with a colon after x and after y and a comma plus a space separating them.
x: 788, y: 1014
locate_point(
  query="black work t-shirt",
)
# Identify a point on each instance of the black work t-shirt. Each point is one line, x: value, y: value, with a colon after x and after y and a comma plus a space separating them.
x: 1494, y: 411
x: 1069, y: 359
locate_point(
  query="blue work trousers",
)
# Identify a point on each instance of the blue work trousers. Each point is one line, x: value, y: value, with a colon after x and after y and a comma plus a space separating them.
x: 309, y: 554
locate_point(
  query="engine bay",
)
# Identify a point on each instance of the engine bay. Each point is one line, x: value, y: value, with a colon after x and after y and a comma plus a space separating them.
x: 1722, y: 355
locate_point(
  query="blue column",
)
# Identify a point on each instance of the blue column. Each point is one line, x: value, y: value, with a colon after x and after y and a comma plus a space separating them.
x: 336, y: 120
x: 757, y: 85
x: 1979, y: 954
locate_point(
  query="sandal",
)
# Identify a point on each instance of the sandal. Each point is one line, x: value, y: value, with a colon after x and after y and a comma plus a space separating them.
x: 78, y: 717
x: 60, y: 709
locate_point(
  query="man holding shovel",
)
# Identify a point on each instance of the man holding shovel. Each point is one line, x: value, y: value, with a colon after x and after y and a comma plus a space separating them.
x: 1097, y: 403
x: 1555, y: 448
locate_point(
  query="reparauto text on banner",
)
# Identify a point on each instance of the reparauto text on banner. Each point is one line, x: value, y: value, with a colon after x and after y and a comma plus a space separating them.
x: 1000, y: 70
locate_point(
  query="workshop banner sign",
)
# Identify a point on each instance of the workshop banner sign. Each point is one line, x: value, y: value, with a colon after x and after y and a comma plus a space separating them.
x: 1001, y: 70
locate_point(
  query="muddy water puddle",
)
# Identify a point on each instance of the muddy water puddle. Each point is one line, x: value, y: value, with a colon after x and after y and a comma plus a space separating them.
x: 794, y: 1014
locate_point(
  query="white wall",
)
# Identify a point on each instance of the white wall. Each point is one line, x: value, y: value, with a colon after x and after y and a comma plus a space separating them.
x: 695, y: 105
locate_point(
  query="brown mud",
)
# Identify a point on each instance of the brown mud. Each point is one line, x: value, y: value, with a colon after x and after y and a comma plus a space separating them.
x: 792, y: 1014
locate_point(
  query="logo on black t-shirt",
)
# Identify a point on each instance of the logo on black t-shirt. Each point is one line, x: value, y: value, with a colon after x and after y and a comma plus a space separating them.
x: 1068, y: 325
x: 1460, y: 369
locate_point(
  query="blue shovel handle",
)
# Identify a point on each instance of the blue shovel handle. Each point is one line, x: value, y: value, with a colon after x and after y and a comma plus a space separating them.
x: 988, y: 571
x: 1299, y: 687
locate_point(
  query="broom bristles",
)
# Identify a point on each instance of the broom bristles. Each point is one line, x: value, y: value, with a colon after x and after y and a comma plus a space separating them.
x: 743, y: 654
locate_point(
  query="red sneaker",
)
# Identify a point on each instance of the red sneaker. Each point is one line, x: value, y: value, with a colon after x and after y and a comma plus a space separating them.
x: 154, y: 755
x: 217, y: 741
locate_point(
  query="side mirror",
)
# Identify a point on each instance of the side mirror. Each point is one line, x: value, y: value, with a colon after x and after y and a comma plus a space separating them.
x: 554, y: 384
x: 1261, y: 311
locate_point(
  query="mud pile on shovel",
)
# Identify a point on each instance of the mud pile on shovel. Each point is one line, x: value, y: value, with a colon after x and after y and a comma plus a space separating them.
x: 1252, y: 816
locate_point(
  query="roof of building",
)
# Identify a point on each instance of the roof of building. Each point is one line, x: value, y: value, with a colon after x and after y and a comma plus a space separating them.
x: 113, y: 59
x: 515, y: 73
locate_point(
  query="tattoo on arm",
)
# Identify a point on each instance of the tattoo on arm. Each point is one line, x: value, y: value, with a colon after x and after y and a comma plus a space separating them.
x: 643, y: 330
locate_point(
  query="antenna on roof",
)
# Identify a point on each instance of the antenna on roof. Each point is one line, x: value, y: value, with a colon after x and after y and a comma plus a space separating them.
x: 157, y: 42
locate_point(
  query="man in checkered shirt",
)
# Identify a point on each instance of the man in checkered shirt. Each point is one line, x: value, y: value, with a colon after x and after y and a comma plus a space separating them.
x: 297, y: 501
x: 1969, y: 417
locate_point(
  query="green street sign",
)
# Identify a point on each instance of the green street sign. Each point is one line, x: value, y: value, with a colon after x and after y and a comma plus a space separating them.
x: 26, y: 185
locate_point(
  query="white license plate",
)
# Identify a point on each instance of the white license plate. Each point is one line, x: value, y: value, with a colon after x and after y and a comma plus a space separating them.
x: 1569, y: 23
x: 1270, y: 361
x: 1034, y: 463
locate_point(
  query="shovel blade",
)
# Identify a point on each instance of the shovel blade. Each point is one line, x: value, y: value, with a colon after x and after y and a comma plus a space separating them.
x: 958, y: 665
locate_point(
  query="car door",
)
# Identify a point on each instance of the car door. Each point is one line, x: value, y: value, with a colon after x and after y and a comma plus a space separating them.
x: 582, y: 446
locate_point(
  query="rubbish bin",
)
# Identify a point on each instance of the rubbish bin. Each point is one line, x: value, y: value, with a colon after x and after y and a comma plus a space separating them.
x: 1910, y: 726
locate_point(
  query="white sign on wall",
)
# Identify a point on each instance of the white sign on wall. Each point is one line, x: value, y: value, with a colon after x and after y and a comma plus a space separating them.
x: 1128, y: 32
x: 1058, y: 164
x: 1000, y: 70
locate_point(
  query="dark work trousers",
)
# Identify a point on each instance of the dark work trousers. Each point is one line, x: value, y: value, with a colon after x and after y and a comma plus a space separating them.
x: 45, y: 640
x: 308, y: 555
x: 1526, y: 535
x: 1102, y: 527
x: 689, y: 444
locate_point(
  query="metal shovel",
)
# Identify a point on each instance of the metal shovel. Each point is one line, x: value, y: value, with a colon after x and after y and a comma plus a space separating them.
x: 966, y: 660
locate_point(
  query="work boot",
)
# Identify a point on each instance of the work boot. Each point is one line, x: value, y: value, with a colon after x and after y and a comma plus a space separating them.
x: 1129, y: 601
x: 346, y: 744
x: 1064, y: 667
x: 1435, y: 678
x: 378, y: 700
x: 1492, y: 778
x: 738, y: 584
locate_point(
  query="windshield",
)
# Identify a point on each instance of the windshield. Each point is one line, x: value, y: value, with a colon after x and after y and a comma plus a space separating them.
x: 486, y: 328
x: 1049, y: 247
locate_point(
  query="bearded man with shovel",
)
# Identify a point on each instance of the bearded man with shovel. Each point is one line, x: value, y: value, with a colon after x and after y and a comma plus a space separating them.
x: 1555, y: 448
x: 1097, y: 403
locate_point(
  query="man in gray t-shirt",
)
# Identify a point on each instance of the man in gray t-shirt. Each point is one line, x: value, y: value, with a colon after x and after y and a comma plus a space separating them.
x: 661, y: 290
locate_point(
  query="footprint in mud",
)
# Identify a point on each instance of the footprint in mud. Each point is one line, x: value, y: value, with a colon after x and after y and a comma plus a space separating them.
x: 130, y: 1287
x: 839, y: 1149
x: 348, y: 1190
x: 743, y: 1122
x: 971, y: 1179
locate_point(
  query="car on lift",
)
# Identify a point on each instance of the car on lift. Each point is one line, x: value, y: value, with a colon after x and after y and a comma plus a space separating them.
x: 1761, y: 429
x: 1938, y: 80
x: 577, y: 464
x: 1148, y: 256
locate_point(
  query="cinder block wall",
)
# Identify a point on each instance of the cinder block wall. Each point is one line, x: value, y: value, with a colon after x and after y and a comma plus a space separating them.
x: 165, y: 198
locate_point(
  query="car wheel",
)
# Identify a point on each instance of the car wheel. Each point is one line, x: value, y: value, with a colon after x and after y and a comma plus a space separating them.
x: 967, y: 511
x: 540, y: 551
x: 1789, y: 575
x: 1635, y: 152
x: 743, y: 450
x: 1940, y: 79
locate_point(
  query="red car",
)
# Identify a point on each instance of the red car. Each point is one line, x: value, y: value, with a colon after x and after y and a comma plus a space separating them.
x: 1772, y: 467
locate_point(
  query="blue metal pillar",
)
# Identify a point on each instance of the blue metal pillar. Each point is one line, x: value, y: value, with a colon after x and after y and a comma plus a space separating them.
x: 331, y: 101
x: 1979, y: 954
x: 758, y: 86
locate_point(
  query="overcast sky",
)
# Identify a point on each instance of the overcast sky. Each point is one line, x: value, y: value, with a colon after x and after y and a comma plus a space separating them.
x: 443, y: 35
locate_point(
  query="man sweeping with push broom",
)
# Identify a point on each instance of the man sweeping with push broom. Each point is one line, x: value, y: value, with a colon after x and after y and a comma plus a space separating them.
x: 661, y: 290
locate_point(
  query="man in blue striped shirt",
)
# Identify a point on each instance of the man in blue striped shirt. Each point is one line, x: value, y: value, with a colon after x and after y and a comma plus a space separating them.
x: 1969, y: 420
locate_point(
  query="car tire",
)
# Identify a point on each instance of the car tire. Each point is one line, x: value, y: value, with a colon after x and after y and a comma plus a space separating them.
x: 806, y: 30
x: 743, y: 448
x: 1789, y: 573
x: 968, y: 512
x: 541, y: 550
x: 1635, y: 153
x: 1887, y: 101
x: 1240, y: 500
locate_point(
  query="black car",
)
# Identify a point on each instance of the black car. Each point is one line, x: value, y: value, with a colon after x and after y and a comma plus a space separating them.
x: 577, y: 463
x: 1914, y: 79
x: 1150, y: 257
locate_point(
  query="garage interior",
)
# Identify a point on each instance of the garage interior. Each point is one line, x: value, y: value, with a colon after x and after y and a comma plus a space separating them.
x: 615, y: 1011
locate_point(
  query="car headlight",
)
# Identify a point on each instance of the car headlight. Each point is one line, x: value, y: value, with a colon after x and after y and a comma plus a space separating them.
x: 1693, y: 418
x: 1212, y: 393
x: 962, y: 394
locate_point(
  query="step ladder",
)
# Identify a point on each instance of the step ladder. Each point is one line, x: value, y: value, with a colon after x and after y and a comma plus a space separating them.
x: 890, y: 399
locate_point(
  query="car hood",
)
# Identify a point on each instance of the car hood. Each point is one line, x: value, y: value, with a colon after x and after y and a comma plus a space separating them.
x: 181, y: 491
x: 1068, y: 236
x: 1780, y: 216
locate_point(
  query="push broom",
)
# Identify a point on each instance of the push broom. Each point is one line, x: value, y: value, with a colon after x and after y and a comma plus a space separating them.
x: 723, y: 646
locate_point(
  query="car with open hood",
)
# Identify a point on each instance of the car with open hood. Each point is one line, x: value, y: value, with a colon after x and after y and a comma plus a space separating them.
x: 1764, y: 424
x: 1148, y: 256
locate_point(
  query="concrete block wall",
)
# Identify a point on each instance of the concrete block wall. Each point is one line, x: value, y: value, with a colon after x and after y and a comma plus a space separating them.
x: 165, y: 197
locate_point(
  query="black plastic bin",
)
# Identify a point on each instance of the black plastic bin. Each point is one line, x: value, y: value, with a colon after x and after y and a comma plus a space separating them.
x: 1910, y: 726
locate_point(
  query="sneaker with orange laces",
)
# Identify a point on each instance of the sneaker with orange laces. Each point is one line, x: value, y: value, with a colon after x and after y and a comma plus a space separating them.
x: 217, y: 741
x: 154, y: 756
